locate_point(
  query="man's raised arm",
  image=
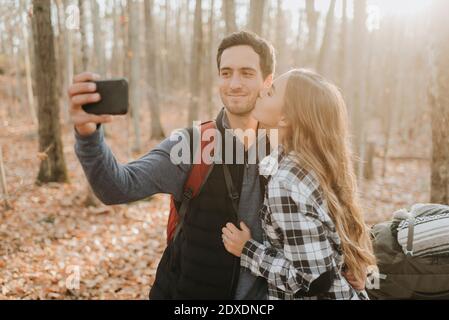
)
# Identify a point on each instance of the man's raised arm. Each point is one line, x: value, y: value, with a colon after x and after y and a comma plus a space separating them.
x: 112, y: 182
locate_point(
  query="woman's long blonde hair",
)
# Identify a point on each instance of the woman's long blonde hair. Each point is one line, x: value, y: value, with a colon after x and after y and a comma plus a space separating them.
x: 318, y: 135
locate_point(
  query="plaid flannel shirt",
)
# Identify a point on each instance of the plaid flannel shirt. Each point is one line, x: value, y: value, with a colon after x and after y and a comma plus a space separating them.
x: 300, y: 239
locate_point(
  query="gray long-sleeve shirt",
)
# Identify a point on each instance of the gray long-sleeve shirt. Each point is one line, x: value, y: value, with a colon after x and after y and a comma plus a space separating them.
x: 116, y: 183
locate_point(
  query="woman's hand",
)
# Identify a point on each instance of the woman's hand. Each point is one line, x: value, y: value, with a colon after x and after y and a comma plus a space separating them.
x: 358, y: 285
x: 234, y: 239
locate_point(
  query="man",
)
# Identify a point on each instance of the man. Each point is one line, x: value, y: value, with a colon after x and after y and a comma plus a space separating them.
x: 196, y: 265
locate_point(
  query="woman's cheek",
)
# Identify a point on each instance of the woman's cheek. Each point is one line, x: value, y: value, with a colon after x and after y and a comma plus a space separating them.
x: 260, y: 112
x: 270, y: 117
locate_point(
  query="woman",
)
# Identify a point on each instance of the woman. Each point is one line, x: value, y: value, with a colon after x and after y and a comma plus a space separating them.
x: 313, y: 225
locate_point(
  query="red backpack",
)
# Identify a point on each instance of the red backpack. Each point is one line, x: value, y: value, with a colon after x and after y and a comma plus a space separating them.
x: 195, y: 181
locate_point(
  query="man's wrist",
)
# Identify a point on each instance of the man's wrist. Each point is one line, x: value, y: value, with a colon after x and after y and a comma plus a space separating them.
x: 86, y: 130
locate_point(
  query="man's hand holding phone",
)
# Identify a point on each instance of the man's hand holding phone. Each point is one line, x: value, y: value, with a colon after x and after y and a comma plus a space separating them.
x: 93, y: 101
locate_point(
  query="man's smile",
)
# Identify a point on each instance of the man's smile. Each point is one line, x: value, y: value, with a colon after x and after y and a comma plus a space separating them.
x: 237, y: 95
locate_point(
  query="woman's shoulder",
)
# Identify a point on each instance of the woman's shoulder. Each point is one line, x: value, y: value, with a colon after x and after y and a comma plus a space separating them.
x: 303, y: 187
x: 301, y: 183
x: 292, y: 173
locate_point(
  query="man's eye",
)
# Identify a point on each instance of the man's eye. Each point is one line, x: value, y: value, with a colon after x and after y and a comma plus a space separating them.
x: 225, y: 74
x: 247, y: 74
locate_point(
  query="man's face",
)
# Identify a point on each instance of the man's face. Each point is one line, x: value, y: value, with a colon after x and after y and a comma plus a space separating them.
x: 241, y: 79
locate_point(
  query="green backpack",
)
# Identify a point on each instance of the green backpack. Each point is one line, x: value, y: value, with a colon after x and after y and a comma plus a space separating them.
x: 408, y: 276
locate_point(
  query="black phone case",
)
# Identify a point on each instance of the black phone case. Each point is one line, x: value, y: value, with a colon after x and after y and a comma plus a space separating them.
x: 114, y: 98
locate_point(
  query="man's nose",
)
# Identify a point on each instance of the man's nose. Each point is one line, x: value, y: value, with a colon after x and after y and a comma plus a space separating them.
x: 236, y: 82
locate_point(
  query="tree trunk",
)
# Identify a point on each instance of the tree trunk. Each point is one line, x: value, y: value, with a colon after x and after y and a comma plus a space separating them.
x: 181, y: 61
x: 298, y: 53
x: 4, y: 189
x: 84, y: 48
x: 389, y: 96
x: 15, y: 89
x: 3, y: 43
x: 387, y: 139
x: 134, y: 68
x: 60, y: 57
x: 256, y: 16
x: 440, y: 142
x: 195, y: 67
x: 228, y: 7
x: 439, y: 99
x: 17, y: 82
x: 312, y: 26
x: 165, y: 87
x: 280, y: 36
x: 100, y: 54
x: 115, y: 57
x: 52, y: 167
x: 29, y: 81
x: 152, y: 76
x: 187, y: 27
x: 209, y: 70
x: 359, y: 90
x: 124, y: 35
x: 10, y: 85
x: 368, y: 103
x: 369, y: 165
x: 66, y: 58
x: 342, y: 49
x: 326, y: 46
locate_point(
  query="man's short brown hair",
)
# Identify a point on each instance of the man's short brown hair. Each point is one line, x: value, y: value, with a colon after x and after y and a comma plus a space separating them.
x: 261, y: 46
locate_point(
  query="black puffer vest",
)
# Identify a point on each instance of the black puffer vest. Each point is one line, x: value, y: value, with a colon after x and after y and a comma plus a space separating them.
x: 196, y: 265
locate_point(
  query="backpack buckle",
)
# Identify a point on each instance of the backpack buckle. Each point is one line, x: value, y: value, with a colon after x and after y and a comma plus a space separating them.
x: 409, y: 253
x: 188, y: 194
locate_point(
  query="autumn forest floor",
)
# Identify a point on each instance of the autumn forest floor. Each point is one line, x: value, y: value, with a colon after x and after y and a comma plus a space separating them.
x: 49, y: 235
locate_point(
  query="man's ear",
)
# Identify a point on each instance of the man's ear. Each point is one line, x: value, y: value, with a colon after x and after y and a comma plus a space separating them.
x: 268, y: 81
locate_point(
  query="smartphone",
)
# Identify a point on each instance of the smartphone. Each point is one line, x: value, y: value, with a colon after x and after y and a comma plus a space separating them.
x: 114, y: 97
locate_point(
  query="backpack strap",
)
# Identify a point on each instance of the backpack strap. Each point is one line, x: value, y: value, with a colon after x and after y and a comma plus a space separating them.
x: 198, y: 175
x: 232, y: 192
x: 410, y: 235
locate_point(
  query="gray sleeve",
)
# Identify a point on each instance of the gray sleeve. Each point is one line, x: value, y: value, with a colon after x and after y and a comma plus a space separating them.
x: 115, y: 183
